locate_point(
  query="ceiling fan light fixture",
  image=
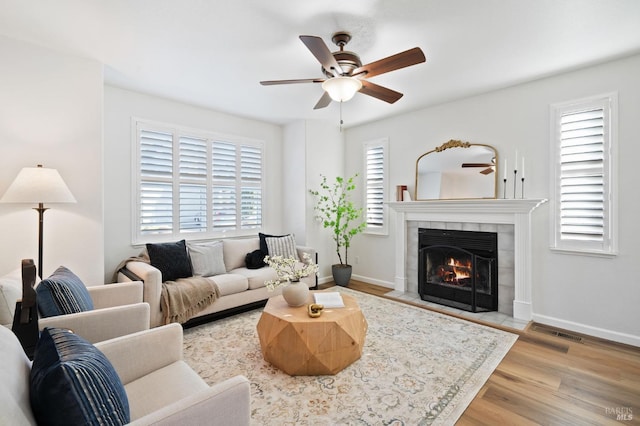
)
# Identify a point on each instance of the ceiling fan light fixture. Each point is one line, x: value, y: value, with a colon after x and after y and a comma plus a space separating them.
x: 341, y: 89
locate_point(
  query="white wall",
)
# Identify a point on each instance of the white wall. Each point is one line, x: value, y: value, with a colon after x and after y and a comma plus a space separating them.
x: 311, y: 148
x: 119, y: 107
x: 51, y: 114
x: 594, y: 295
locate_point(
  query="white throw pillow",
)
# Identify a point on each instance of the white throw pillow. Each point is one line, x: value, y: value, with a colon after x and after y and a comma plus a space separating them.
x: 282, y: 246
x: 207, y: 259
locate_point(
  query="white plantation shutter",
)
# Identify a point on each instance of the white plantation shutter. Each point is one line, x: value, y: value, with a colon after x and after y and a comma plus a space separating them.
x: 375, y: 178
x: 582, y: 189
x: 251, y: 191
x: 225, y: 211
x: 156, y: 187
x: 195, y: 184
x: 583, y: 198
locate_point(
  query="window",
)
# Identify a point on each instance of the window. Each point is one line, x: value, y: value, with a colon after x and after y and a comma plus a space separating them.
x: 375, y: 178
x: 191, y: 184
x: 583, y: 182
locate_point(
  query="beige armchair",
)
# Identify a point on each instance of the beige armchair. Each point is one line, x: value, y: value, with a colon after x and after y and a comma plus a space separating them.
x: 161, y: 388
x: 118, y: 310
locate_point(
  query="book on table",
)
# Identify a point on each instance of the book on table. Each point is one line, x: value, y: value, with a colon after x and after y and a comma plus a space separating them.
x: 331, y: 299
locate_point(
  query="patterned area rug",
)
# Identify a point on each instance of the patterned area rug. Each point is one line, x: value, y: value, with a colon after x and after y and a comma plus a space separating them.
x: 418, y: 368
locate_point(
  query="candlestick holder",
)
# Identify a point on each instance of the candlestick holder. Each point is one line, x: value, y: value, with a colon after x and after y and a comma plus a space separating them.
x: 515, y: 182
x: 504, y: 188
x: 522, y: 180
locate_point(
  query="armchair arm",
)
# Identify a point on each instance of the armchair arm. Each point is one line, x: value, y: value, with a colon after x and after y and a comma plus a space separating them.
x: 109, y: 295
x: 226, y: 403
x: 138, y: 354
x: 152, y: 288
x: 102, y: 324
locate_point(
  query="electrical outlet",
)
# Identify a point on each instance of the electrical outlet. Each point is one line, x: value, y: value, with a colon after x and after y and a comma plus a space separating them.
x: 357, y: 260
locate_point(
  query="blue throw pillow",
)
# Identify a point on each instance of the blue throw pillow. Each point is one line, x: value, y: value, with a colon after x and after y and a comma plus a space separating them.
x: 73, y: 383
x: 62, y: 293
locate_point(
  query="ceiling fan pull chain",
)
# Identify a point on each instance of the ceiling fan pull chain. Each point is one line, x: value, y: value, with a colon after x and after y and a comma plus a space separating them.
x: 341, y: 116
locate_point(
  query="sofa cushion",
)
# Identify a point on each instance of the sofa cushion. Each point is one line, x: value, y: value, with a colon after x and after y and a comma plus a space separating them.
x: 282, y: 246
x: 72, y: 382
x: 231, y: 283
x: 257, y: 277
x: 62, y: 293
x: 171, y: 259
x: 207, y: 259
x: 235, y: 251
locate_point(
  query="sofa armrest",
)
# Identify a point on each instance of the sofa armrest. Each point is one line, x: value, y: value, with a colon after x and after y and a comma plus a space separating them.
x: 109, y: 295
x: 152, y: 288
x: 303, y: 249
x: 102, y: 324
x: 135, y: 355
x: 226, y: 403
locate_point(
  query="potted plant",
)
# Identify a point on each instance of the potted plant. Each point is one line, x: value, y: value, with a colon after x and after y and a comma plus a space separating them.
x: 336, y: 210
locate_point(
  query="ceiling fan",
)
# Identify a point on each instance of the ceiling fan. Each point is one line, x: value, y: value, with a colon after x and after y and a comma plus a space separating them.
x: 490, y: 167
x: 344, y: 73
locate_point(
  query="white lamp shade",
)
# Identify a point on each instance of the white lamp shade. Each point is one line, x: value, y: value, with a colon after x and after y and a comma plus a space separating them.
x: 38, y: 185
x: 341, y: 89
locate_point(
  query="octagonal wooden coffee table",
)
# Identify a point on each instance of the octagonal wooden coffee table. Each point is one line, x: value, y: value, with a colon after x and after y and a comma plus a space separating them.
x: 303, y: 346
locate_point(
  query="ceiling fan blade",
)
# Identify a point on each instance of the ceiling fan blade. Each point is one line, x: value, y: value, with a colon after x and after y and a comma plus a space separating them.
x: 322, y: 53
x: 391, y: 63
x: 380, y: 92
x: 324, y: 101
x: 302, y: 80
x: 487, y: 171
x: 477, y: 164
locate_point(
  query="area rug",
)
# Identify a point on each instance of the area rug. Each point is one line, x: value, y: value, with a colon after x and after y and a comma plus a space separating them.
x: 418, y: 367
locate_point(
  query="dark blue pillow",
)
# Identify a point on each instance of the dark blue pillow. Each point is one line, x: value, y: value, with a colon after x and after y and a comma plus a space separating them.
x: 73, y: 383
x: 171, y: 259
x: 62, y: 293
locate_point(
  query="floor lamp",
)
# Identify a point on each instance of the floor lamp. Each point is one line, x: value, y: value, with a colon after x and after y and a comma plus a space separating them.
x: 38, y: 185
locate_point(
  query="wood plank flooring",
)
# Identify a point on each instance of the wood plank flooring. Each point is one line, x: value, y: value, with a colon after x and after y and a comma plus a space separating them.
x: 551, y: 379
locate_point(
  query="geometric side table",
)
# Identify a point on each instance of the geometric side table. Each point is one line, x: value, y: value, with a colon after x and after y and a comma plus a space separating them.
x: 303, y: 346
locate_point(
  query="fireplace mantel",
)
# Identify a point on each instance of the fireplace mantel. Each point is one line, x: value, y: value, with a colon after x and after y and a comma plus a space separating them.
x: 498, y: 211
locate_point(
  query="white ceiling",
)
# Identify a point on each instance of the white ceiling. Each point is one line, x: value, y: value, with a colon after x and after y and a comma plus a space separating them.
x: 213, y: 53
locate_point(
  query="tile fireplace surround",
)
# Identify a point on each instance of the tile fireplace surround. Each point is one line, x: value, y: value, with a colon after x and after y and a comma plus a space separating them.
x: 510, y: 218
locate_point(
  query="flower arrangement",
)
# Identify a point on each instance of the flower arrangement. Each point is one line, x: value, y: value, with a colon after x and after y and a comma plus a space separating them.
x: 287, y: 271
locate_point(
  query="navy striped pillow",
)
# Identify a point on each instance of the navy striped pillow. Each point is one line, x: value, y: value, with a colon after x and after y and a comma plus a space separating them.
x: 62, y: 293
x: 73, y: 383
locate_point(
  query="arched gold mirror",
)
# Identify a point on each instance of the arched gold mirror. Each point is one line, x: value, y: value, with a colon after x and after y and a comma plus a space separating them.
x: 457, y: 170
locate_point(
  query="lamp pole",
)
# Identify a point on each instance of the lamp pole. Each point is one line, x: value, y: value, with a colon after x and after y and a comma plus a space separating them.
x: 40, y: 209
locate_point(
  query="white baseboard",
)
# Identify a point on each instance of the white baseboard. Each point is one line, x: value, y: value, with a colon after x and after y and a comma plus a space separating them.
x: 614, y: 336
x: 369, y: 280
x: 324, y: 280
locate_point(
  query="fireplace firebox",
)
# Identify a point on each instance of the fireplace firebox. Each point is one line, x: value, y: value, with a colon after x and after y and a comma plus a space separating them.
x: 458, y: 268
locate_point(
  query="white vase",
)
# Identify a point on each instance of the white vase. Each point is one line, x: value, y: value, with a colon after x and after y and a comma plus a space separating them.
x: 296, y: 293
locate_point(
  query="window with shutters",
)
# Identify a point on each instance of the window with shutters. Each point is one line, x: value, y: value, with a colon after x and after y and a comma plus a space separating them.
x: 194, y: 185
x: 376, y: 176
x: 583, y: 202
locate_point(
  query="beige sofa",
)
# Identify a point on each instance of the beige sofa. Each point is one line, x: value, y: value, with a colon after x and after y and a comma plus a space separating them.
x: 161, y: 388
x: 240, y: 288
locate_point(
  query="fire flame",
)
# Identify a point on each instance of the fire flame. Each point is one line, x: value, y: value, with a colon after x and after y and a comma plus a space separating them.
x: 461, y: 269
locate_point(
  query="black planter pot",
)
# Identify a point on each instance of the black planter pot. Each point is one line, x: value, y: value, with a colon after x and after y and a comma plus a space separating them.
x: 341, y: 274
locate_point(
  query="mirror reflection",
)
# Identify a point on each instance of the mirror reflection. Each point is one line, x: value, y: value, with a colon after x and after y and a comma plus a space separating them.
x: 457, y: 170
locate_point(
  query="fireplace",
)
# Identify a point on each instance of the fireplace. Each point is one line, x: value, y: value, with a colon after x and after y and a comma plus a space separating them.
x: 458, y: 268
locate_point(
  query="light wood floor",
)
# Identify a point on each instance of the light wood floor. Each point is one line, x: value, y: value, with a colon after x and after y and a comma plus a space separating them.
x: 555, y: 377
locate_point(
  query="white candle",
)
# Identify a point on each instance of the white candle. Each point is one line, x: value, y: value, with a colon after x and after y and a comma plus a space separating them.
x: 505, y: 169
x: 522, y: 167
x: 515, y: 162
